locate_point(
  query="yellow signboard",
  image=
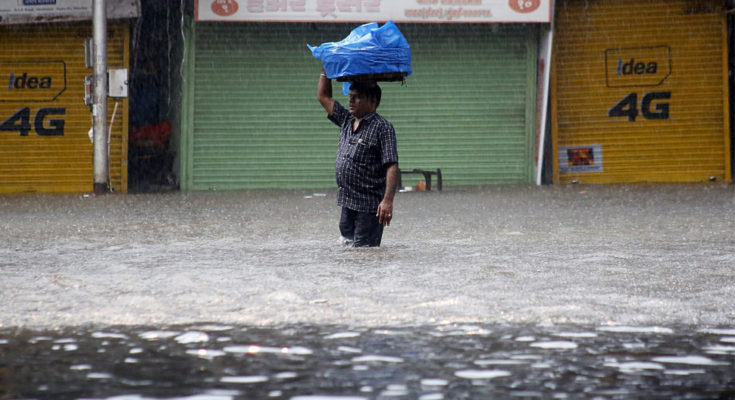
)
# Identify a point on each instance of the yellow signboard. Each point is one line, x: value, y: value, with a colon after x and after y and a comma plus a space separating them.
x: 44, y: 124
x: 642, y: 85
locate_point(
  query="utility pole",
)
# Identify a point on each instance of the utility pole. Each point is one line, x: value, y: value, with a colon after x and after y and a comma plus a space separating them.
x: 99, y: 106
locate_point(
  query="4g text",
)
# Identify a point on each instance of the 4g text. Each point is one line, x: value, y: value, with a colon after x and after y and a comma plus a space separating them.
x: 43, y: 122
x: 652, y: 106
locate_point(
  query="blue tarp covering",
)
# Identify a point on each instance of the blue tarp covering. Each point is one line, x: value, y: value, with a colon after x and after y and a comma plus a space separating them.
x: 368, y: 49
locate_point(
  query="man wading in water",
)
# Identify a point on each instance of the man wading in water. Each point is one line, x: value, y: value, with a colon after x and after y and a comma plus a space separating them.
x: 367, y: 162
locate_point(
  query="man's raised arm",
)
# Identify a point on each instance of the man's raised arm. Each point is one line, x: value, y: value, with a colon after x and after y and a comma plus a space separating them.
x: 324, y: 93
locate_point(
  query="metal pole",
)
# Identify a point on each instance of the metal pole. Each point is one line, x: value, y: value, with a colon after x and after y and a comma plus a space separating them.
x: 99, y: 106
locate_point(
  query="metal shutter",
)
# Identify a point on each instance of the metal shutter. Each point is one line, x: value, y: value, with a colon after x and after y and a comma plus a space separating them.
x: 469, y: 107
x: 256, y: 122
x: 55, y: 163
x: 640, y: 91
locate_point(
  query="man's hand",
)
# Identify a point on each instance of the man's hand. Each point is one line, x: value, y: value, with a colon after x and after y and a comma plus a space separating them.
x: 385, y: 208
x: 385, y: 212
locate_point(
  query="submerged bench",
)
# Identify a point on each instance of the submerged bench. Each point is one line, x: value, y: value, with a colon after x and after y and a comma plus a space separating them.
x: 427, y: 177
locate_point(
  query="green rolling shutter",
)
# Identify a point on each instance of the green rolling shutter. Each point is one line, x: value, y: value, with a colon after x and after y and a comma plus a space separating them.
x: 256, y: 121
x: 470, y: 106
x: 252, y: 120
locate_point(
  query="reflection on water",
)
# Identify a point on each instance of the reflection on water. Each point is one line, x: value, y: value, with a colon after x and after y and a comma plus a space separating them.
x: 220, y: 362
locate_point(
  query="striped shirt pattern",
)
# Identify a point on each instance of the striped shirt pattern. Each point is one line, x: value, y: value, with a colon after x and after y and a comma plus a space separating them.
x: 362, y: 159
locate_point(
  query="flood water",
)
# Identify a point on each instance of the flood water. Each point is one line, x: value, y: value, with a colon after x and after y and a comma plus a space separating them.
x: 322, y: 362
x: 502, y: 292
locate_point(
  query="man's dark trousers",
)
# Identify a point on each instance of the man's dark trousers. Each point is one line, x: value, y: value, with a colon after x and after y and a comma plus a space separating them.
x: 362, y: 228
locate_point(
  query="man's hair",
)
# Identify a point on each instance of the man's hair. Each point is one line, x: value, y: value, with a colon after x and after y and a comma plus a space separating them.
x: 370, y: 90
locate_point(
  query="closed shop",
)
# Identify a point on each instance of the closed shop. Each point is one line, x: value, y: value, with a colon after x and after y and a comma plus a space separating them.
x: 251, y: 119
x: 640, y: 91
x: 44, y: 123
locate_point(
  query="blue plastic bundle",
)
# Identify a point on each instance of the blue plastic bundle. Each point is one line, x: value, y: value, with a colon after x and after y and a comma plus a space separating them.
x: 379, y: 52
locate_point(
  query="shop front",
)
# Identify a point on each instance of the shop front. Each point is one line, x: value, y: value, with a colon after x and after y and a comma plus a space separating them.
x: 251, y: 119
x: 45, y: 145
x: 640, y: 91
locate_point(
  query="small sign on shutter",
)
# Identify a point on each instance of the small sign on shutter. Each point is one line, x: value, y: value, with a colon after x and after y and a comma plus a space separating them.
x: 579, y: 159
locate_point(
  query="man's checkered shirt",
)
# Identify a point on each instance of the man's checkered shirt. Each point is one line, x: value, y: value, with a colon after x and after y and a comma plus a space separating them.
x: 362, y: 159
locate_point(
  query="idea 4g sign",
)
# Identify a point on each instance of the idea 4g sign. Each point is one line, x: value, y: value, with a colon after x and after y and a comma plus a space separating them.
x: 639, y: 67
x: 44, y: 122
x: 642, y: 88
x: 636, y: 75
x: 34, y: 80
x: 37, y: 81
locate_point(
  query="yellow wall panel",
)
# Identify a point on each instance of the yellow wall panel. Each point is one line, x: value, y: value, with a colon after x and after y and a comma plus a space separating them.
x: 640, y: 91
x: 44, y: 123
